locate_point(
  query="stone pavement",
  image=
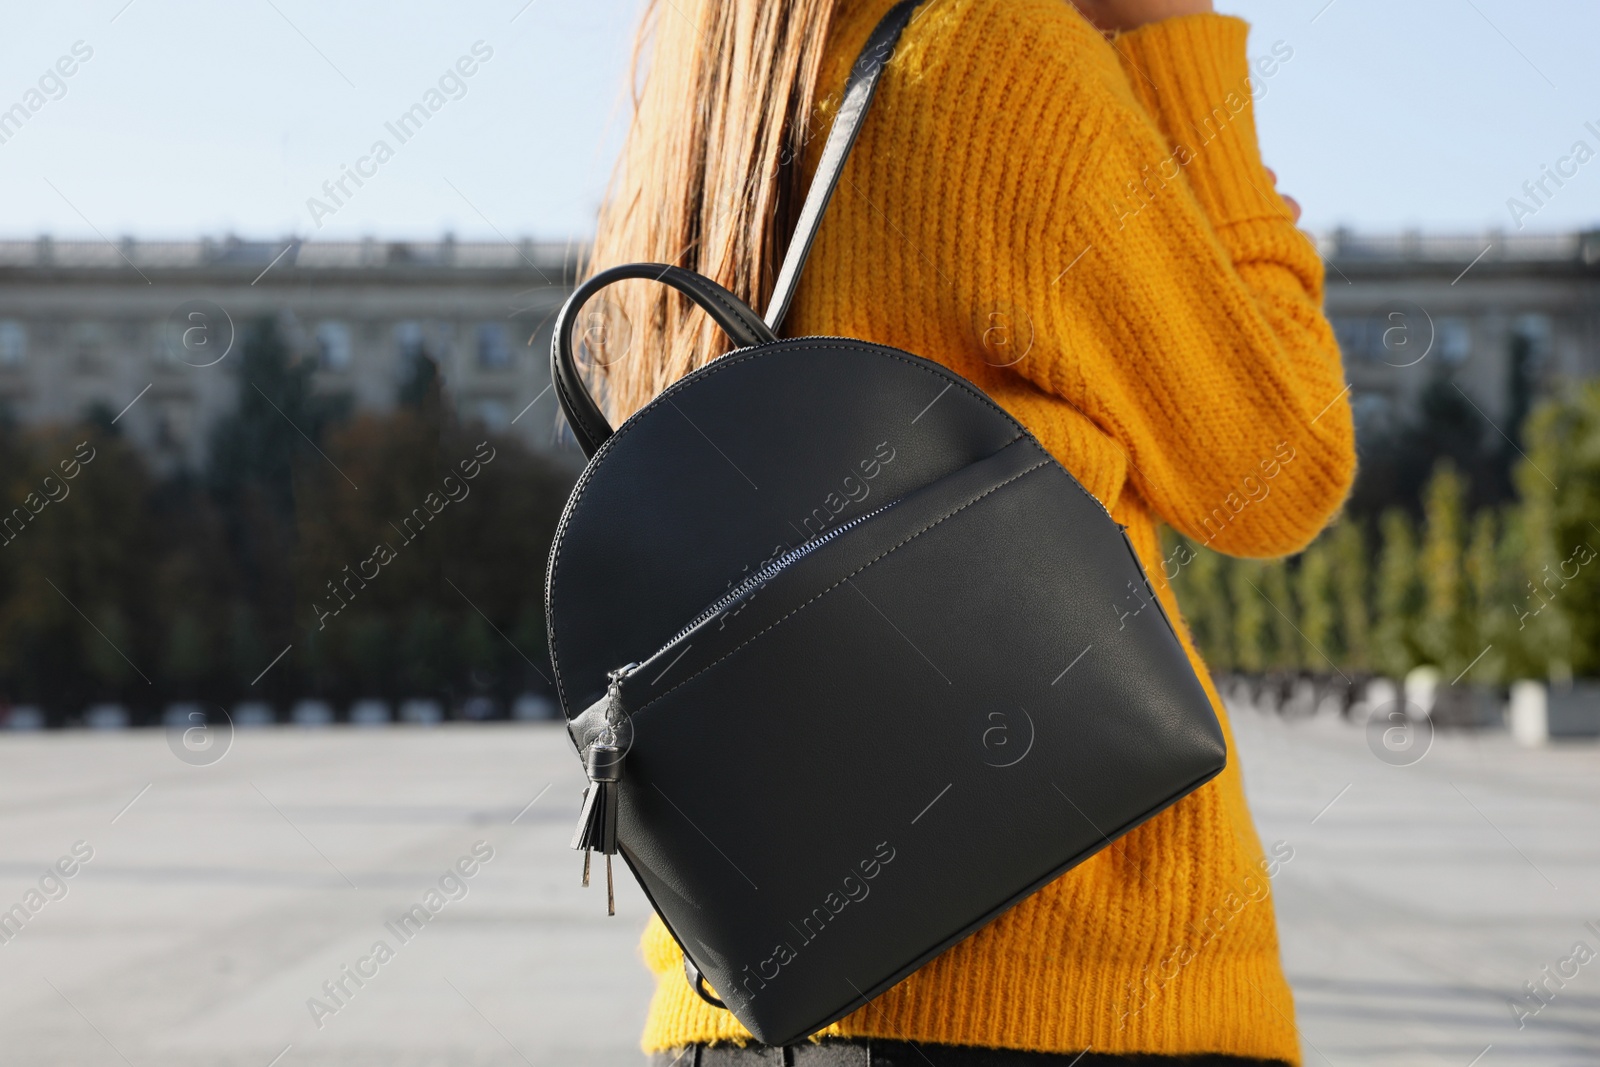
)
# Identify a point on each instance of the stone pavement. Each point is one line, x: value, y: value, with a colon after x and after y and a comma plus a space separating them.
x: 1421, y: 897
x: 220, y: 898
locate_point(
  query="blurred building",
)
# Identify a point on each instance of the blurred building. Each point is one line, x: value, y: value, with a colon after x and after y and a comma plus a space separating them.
x: 1495, y: 316
x: 92, y: 325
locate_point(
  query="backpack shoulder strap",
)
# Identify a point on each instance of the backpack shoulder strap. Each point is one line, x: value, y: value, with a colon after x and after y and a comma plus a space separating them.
x: 583, y: 414
x: 859, y: 89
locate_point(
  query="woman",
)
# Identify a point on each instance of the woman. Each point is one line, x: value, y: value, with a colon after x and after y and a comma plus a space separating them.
x: 1066, y: 205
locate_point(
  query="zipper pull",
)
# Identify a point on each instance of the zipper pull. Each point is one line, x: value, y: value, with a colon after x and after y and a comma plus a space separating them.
x: 597, y: 820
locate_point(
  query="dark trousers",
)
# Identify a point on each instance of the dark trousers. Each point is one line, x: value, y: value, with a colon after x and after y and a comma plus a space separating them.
x: 875, y: 1052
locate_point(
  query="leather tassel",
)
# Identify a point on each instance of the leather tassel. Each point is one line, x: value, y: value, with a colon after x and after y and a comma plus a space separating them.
x: 597, y: 820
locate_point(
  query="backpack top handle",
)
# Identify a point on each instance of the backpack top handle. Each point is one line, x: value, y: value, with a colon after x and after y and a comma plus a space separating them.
x: 588, y: 422
x: 738, y: 321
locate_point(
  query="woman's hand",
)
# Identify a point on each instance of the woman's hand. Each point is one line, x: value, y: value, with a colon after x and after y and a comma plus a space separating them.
x: 1117, y: 16
x: 1294, y: 205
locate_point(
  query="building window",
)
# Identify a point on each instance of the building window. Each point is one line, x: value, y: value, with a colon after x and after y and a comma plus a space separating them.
x: 1401, y: 338
x: 333, y: 346
x: 494, y: 347
x: 87, y: 345
x: 1373, y: 413
x: 1351, y: 331
x: 420, y: 350
x: 408, y: 342
x: 1455, y: 340
x: 13, y: 343
x: 1535, y: 331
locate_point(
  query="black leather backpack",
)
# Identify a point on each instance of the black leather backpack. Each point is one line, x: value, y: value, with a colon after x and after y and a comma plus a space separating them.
x: 852, y: 663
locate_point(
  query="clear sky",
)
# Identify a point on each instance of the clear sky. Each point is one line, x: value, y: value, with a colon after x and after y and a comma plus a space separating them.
x: 197, y: 117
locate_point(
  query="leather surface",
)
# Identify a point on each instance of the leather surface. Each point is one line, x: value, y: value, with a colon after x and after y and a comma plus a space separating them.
x: 732, y: 464
x: 588, y: 422
x: 903, y: 732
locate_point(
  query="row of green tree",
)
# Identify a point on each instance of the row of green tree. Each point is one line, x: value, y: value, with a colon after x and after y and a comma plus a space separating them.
x: 323, y: 554
x: 1490, y: 594
x: 384, y: 556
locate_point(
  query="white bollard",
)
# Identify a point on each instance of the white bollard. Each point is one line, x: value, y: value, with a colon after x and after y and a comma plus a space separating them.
x: 108, y: 716
x: 1379, y: 693
x: 421, y: 711
x: 311, y: 712
x: 183, y: 714
x: 1529, y: 713
x: 532, y: 707
x: 253, y: 713
x: 1422, y: 690
x: 370, y: 712
x: 25, y: 717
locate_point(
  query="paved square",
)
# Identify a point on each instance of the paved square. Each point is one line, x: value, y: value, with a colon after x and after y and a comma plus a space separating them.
x: 218, y: 900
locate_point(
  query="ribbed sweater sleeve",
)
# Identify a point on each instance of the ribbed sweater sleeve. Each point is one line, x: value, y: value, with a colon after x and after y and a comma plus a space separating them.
x: 1198, y: 342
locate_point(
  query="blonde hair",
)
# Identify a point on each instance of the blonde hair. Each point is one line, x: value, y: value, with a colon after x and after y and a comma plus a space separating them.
x: 708, y: 179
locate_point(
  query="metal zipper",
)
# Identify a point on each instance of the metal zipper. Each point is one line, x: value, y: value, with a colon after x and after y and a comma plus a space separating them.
x: 749, y: 585
x: 686, y: 380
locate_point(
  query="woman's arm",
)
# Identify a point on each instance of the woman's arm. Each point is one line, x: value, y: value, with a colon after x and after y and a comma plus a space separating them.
x: 1115, y: 17
x: 1192, y: 324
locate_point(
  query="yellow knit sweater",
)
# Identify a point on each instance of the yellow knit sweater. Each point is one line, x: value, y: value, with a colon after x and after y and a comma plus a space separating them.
x: 1084, y: 229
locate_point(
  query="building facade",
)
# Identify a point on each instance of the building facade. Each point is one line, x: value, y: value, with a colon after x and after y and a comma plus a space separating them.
x: 1411, y: 310
x: 149, y: 331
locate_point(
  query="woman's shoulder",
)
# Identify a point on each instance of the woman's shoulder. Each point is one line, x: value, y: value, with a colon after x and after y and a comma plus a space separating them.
x: 998, y: 52
x: 993, y: 79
